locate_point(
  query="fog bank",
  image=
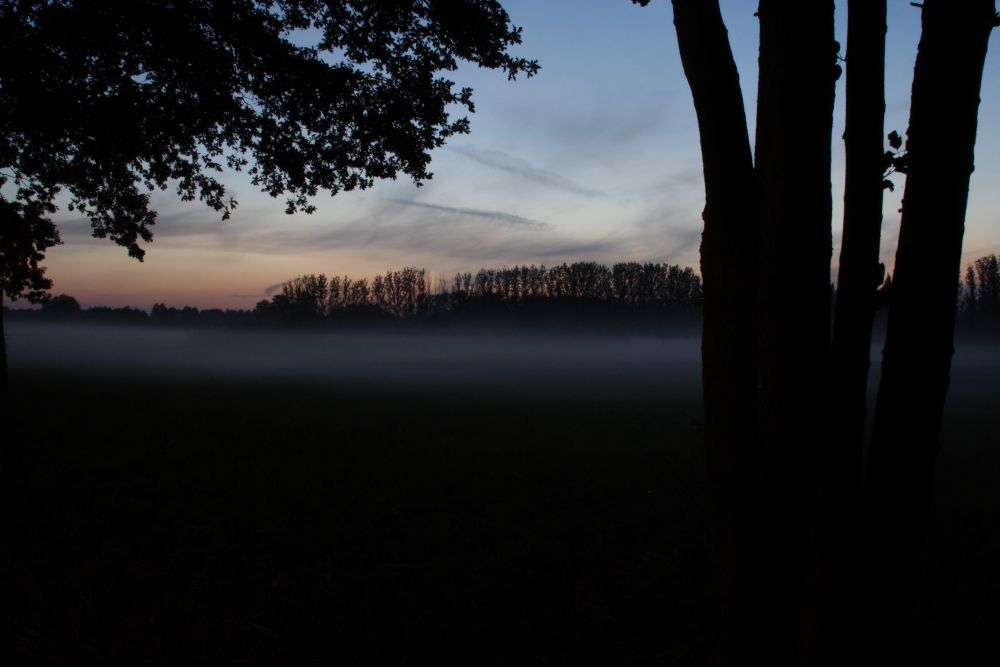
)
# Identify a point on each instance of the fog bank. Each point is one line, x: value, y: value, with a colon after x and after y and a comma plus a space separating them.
x: 571, y: 364
x: 461, y: 357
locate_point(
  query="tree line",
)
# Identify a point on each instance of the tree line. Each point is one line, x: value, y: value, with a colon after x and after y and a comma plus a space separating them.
x: 408, y: 293
x: 980, y: 292
x: 589, y: 295
x: 977, y: 308
x: 979, y: 298
x: 623, y: 295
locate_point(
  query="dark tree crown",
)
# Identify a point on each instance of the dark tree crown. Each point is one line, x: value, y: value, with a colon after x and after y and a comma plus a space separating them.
x: 112, y: 100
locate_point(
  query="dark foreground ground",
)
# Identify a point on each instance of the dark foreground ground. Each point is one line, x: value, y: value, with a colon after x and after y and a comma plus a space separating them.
x: 513, y: 513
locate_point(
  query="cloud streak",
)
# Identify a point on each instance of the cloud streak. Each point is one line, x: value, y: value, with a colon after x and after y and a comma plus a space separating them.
x: 508, y: 219
x: 396, y: 228
x: 512, y: 165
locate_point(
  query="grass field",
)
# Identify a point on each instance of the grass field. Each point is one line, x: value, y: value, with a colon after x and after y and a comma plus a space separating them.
x: 505, y: 512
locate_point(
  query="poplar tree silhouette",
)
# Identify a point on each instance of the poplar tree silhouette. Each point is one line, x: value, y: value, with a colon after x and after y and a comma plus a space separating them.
x: 916, y: 362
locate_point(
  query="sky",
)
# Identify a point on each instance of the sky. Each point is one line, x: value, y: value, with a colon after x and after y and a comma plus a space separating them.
x: 596, y: 158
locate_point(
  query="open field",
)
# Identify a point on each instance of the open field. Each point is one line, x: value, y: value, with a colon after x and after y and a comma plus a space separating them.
x: 499, y: 502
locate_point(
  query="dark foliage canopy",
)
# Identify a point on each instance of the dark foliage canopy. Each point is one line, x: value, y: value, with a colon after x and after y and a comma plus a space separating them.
x: 110, y: 101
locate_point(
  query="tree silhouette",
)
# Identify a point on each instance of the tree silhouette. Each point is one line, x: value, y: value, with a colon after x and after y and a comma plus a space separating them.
x: 582, y: 293
x: 109, y: 101
x: 304, y: 299
x: 798, y: 70
x: 61, y: 305
x: 970, y: 291
x: 988, y: 274
x: 781, y: 479
x: 859, y: 276
x: 979, y: 295
x: 859, y: 272
x: 729, y: 270
x: 916, y: 363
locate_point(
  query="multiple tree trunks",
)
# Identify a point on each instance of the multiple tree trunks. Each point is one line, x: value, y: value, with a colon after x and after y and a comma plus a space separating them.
x: 765, y: 367
x: 919, y: 341
x: 785, y: 456
x: 729, y: 349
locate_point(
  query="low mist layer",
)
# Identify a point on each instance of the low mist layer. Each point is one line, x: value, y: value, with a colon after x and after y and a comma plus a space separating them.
x: 479, y: 360
x: 558, y: 366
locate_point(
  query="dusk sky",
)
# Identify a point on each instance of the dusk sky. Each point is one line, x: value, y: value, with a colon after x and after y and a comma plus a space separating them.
x: 595, y: 158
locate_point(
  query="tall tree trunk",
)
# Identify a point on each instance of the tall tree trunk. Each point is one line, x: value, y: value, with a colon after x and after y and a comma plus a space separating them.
x: 798, y: 71
x: 729, y: 275
x: 860, y: 274
x: 919, y: 343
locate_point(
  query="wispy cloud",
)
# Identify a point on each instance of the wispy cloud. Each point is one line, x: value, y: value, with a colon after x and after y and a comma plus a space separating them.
x: 689, y: 177
x: 401, y: 229
x: 518, y: 167
x: 508, y: 219
x: 169, y: 224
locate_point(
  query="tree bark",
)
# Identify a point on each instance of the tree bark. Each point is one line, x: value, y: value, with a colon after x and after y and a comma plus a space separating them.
x: 860, y: 274
x: 919, y: 342
x: 729, y: 275
x: 797, y: 74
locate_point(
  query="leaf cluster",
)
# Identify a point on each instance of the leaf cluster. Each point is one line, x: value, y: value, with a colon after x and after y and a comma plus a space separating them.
x: 894, y: 160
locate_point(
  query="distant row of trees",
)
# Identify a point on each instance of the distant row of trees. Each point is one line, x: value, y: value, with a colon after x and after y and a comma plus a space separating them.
x: 624, y: 295
x: 978, y: 303
x: 981, y: 288
x: 398, y: 294
x: 979, y: 298
x: 582, y: 294
x: 588, y: 289
x: 626, y: 283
